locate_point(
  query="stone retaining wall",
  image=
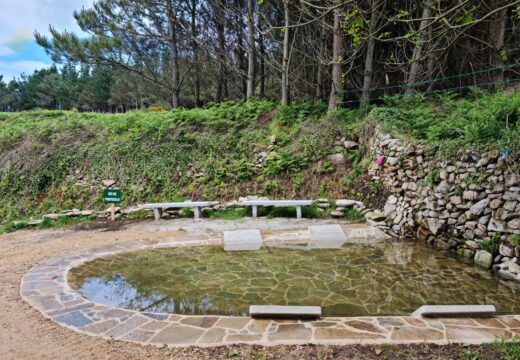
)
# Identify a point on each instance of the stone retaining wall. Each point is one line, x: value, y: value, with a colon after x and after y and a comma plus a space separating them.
x: 470, y: 205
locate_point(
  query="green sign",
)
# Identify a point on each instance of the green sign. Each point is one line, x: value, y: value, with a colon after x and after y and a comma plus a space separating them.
x: 112, y: 196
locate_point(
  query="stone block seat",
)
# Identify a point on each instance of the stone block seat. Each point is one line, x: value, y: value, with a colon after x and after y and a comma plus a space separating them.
x: 284, y: 312
x: 195, y: 205
x: 455, y: 311
x: 277, y: 203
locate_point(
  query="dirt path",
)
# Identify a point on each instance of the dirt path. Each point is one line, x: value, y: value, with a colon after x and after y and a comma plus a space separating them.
x: 25, y: 334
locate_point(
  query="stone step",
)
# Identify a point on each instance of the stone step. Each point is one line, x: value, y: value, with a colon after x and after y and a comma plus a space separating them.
x: 284, y: 312
x: 455, y: 311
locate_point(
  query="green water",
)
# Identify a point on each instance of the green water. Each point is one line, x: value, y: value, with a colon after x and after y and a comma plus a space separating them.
x: 389, y: 279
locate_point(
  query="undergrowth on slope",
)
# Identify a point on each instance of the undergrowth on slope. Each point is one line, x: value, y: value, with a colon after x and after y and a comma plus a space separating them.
x: 56, y: 160
x: 448, y: 124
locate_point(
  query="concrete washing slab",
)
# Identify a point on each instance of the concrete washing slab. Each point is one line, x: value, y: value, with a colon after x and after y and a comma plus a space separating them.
x: 326, y: 236
x: 45, y: 287
x: 242, y: 240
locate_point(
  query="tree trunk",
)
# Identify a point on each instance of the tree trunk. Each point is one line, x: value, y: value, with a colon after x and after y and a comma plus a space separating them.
x: 218, y: 8
x: 285, y: 60
x: 430, y: 60
x: 319, y: 82
x: 497, y: 34
x: 417, y: 51
x: 172, y: 32
x: 250, y: 50
x: 195, y: 46
x: 261, y: 45
x: 318, y: 95
x: 337, y: 52
x: 239, y: 23
x: 369, y: 59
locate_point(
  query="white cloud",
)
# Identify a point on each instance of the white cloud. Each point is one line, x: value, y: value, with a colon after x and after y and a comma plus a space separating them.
x: 18, y: 16
x: 13, y: 69
x: 6, y: 51
x: 19, y: 19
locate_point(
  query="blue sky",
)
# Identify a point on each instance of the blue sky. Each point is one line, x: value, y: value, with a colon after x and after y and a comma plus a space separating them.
x: 19, y: 19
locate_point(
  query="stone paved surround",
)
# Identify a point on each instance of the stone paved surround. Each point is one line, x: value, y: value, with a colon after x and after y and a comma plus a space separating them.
x: 45, y: 287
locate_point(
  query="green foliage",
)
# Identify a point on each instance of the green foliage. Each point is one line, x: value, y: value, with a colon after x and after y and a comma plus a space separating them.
x: 230, y: 214
x: 354, y: 215
x: 310, y: 212
x: 352, y: 176
x: 313, y: 211
x: 298, y: 112
x: 12, y: 226
x: 156, y: 156
x: 46, y: 224
x: 492, y: 244
x: 354, y: 25
x: 509, y: 349
x: 471, y: 354
x: 434, y: 176
x: 233, y: 353
x: 280, y: 162
x: 515, y: 240
x: 447, y: 124
x: 152, y: 156
x: 374, y: 187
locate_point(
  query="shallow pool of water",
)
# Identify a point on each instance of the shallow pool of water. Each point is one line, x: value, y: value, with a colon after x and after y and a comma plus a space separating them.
x: 387, y: 279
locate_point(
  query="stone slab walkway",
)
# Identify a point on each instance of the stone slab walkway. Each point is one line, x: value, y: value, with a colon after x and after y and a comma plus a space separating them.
x: 45, y: 287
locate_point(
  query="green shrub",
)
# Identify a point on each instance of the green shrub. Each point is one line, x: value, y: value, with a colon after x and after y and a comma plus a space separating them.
x: 229, y: 214
x: 374, y: 187
x: 299, y: 111
x: 481, y: 120
x: 46, y: 223
x: 509, y: 349
x: 313, y: 211
x: 283, y: 161
x: 352, y: 176
x: 492, y: 244
x: 12, y: 226
x: 354, y: 215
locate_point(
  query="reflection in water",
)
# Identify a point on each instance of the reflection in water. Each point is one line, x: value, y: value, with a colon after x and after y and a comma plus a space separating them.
x: 118, y: 292
x: 388, y: 279
x: 398, y: 254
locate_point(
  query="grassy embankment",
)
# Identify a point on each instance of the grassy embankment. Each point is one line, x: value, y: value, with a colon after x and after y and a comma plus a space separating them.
x: 55, y: 160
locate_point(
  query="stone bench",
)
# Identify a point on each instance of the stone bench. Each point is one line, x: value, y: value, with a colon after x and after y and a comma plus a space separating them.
x: 284, y: 312
x: 195, y: 205
x: 277, y: 203
x: 455, y: 311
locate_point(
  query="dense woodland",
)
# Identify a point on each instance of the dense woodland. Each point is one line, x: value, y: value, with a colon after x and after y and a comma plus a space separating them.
x: 188, y: 53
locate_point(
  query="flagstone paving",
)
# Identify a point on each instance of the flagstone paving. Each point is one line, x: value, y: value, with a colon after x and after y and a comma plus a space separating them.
x: 46, y: 288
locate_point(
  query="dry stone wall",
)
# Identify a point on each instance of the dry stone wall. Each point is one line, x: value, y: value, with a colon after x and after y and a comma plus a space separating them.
x: 470, y: 205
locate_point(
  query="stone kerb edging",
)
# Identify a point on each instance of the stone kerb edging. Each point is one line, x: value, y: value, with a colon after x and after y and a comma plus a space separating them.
x: 45, y: 287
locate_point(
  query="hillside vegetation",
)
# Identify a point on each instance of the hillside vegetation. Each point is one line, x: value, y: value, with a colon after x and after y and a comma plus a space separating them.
x: 56, y: 160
